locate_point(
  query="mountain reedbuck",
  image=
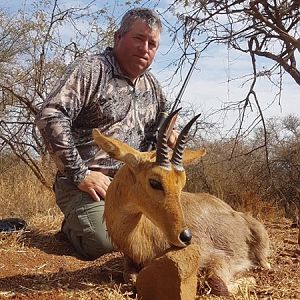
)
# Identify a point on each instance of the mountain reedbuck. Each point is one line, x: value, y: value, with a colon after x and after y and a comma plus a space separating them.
x: 147, y: 212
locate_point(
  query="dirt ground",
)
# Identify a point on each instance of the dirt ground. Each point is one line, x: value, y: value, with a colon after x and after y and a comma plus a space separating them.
x: 36, y: 265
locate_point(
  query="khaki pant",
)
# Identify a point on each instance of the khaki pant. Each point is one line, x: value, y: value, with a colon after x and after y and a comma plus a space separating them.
x: 83, y: 223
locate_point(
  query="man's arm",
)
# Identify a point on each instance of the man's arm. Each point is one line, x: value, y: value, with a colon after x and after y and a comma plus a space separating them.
x: 54, y: 122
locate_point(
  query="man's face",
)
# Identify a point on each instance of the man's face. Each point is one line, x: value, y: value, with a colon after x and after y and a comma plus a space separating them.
x: 135, y: 50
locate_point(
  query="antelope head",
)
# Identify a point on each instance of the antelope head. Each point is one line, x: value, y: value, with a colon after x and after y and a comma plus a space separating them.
x: 156, y: 180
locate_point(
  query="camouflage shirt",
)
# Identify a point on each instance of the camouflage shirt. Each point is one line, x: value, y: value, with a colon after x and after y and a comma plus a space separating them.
x: 94, y: 93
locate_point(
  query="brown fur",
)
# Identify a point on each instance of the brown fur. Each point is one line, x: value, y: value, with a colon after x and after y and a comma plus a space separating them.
x: 144, y: 222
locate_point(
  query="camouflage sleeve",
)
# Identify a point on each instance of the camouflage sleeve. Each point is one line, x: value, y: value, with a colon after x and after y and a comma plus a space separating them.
x: 55, y: 118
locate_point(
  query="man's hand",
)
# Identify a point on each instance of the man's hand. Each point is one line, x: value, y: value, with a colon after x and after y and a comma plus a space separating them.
x: 96, y: 184
x: 173, y: 138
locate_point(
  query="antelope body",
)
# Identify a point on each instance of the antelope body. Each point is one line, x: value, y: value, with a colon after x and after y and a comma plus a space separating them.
x: 147, y: 212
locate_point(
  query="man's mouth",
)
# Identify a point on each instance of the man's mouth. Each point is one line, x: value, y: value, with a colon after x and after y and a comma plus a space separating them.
x: 141, y: 58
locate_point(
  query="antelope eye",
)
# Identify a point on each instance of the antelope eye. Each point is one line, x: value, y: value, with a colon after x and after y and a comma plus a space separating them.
x: 156, y: 184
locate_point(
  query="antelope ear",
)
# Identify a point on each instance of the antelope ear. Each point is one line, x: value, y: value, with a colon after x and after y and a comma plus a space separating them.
x: 151, y: 155
x: 191, y: 156
x: 116, y: 149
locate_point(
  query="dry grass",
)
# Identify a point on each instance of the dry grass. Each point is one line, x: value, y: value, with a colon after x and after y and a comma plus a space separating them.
x: 35, y: 265
x: 22, y: 195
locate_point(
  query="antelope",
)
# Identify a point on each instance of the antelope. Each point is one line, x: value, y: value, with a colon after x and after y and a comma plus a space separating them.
x: 147, y: 213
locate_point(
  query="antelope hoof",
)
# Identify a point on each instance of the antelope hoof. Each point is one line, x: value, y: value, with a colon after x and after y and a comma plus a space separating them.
x: 130, y: 278
x: 130, y: 272
x: 217, y: 286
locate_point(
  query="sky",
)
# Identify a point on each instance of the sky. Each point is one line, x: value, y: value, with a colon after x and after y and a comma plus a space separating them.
x: 212, y: 85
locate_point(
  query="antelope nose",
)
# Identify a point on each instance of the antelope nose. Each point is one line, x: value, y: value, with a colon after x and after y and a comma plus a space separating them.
x: 186, y: 236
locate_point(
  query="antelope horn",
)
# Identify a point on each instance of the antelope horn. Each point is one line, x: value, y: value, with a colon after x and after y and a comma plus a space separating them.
x: 176, y: 159
x: 162, y: 141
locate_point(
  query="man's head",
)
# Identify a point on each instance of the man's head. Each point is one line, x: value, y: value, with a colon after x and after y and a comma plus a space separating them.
x: 137, y: 40
x: 146, y: 15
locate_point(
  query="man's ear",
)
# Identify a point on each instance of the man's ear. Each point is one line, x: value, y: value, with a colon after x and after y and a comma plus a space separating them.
x: 117, y: 36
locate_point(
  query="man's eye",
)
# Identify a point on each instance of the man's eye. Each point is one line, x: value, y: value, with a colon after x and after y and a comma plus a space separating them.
x: 156, y: 184
x: 152, y: 45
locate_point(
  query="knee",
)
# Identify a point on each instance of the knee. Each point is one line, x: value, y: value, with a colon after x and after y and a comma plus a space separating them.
x: 95, y: 245
x: 89, y: 245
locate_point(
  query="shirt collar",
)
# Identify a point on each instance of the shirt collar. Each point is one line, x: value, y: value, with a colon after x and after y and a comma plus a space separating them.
x: 109, y: 55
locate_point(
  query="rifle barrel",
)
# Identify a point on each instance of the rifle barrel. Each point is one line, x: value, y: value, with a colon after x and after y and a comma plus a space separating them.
x: 186, y: 80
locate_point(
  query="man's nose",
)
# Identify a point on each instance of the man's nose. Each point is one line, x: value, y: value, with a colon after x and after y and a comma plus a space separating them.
x: 144, y: 46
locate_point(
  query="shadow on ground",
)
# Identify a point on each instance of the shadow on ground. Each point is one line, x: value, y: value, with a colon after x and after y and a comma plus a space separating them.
x: 74, y: 280
x: 49, y: 243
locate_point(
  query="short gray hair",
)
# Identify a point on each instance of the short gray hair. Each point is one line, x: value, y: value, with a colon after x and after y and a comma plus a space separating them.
x: 146, y: 15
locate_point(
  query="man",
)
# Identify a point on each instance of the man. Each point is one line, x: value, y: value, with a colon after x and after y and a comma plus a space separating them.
x: 116, y: 93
